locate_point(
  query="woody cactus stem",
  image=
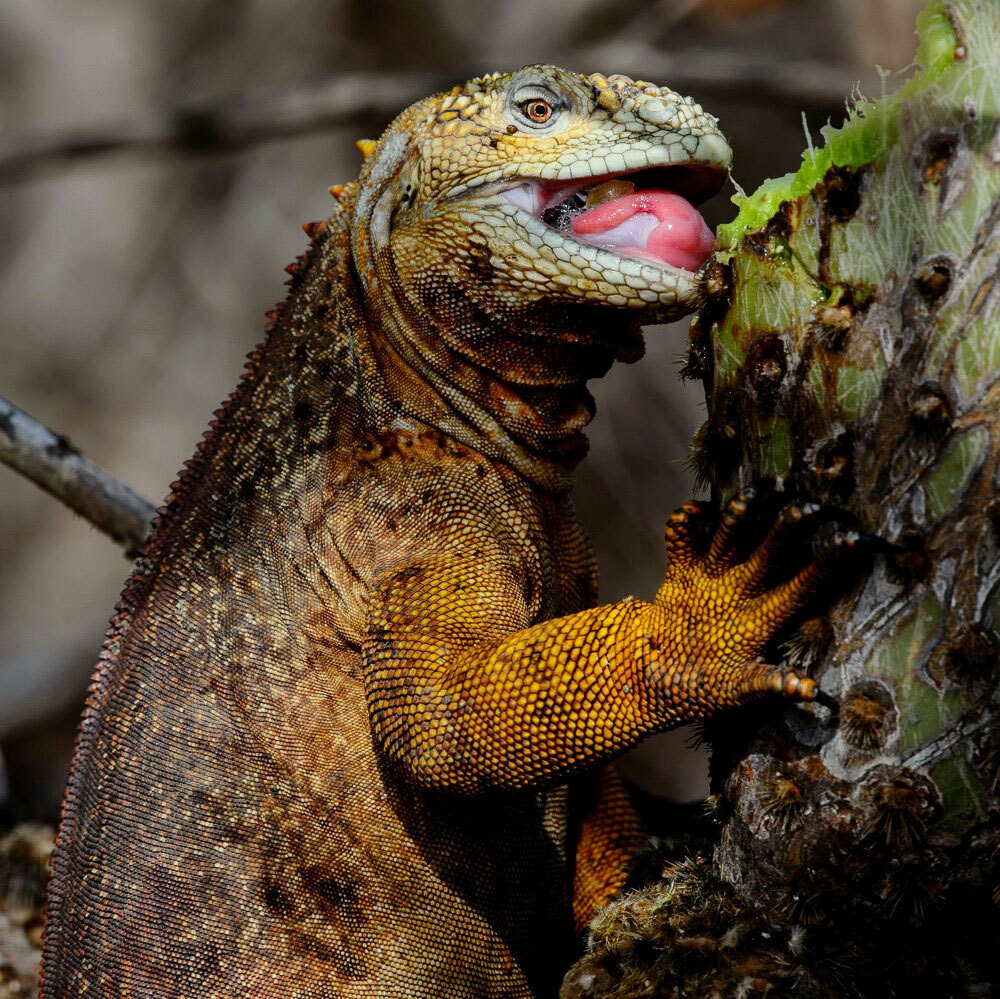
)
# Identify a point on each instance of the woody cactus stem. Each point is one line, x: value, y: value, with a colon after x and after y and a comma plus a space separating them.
x: 852, y: 345
x: 850, y: 348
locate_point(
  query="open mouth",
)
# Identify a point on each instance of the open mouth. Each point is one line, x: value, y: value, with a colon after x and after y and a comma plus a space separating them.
x: 648, y: 214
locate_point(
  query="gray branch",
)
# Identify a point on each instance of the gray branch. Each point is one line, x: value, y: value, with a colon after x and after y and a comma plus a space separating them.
x: 228, y: 124
x: 51, y: 461
x: 355, y: 98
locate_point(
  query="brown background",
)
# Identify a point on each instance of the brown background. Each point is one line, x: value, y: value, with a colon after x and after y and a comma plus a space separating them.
x: 133, y: 282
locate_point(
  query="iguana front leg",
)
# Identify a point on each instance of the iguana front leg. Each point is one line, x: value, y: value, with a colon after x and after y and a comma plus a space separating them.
x: 466, y: 693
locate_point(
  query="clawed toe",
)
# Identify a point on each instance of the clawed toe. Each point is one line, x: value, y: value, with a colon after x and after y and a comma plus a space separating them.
x: 724, y: 551
x: 684, y: 531
x: 760, y: 680
x: 803, y: 688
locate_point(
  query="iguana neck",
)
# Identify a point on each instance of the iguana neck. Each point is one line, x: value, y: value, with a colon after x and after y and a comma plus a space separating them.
x: 429, y: 344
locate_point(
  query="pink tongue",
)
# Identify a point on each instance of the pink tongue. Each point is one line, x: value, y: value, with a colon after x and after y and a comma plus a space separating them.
x: 675, y: 234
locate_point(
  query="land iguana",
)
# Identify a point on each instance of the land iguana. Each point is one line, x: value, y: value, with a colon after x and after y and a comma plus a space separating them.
x: 350, y: 731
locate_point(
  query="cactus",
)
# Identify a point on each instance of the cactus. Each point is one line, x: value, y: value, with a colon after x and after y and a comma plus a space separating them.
x: 849, y: 343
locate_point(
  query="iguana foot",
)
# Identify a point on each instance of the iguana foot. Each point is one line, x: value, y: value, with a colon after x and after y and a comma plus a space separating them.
x: 731, y: 597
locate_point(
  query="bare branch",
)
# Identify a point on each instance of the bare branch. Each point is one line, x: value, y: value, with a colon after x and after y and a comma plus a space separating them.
x: 266, y: 116
x: 52, y: 462
x: 228, y: 124
x: 756, y: 77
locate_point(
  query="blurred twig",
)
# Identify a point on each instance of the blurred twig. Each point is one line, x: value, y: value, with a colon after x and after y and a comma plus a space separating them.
x: 226, y: 124
x: 757, y: 77
x: 654, y: 21
x: 52, y: 462
x: 255, y: 118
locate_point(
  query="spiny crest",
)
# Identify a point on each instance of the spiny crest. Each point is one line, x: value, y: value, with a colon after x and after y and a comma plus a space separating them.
x: 480, y: 83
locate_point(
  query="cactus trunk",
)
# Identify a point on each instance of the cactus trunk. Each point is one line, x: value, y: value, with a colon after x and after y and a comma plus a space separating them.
x: 850, y: 347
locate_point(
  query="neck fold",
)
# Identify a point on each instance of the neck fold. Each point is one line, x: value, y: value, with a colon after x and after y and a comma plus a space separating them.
x: 507, y: 379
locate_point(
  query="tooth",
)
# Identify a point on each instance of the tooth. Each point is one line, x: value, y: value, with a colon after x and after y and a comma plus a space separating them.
x: 523, y: 196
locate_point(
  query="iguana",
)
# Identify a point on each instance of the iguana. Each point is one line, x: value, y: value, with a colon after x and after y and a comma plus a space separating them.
x: 350, y: 731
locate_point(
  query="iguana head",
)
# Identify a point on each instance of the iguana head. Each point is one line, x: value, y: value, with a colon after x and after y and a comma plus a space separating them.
x: 550, y: 186
x: 511, y: 237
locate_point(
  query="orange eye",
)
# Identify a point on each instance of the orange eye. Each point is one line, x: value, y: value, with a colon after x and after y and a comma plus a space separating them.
x: 537, y: 110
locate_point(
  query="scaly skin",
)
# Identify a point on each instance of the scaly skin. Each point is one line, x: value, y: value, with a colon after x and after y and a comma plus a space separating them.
x: 347, y: 734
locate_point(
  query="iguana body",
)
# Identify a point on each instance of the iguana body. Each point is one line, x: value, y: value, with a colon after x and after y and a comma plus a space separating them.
x: 347, y: 732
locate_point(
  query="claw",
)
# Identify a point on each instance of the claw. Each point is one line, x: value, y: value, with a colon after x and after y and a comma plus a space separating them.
x: 826, y: 513
x: 882, y: 546
x: 827, y: 700
x: 790, y: 597
x: 772, y: 609
x: 764, y: 487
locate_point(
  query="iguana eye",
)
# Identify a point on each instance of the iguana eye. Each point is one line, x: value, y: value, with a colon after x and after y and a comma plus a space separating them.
x: 534, y: 105
x: 537, y: 110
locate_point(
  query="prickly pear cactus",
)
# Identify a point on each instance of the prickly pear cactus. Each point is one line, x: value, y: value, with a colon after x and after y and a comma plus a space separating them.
x: 850, y: 348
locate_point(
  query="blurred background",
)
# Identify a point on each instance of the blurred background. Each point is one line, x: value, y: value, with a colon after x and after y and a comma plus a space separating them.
x: 156, y: 160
